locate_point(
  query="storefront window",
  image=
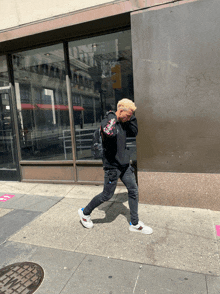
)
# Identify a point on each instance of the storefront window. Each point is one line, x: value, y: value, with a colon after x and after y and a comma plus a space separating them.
x: 41, y: 95
x: 7, y: 158
x: 101, y: 70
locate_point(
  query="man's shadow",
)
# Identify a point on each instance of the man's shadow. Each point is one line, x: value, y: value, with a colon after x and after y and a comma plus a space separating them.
x: 113, y: 209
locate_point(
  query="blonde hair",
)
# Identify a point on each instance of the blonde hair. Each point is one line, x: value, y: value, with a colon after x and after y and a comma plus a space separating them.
x: 126, y: 104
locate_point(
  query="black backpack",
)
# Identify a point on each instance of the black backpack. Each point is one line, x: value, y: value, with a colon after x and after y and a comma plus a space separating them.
x: 97, y: 148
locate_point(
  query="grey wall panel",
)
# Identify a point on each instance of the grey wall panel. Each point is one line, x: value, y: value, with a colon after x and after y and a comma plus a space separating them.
x: 176, y: 62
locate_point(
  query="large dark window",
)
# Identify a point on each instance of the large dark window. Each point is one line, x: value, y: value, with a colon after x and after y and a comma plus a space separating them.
x: 102, y: 74
x: 42, y: 104
x: 7, y: 158
x: 8, y: 147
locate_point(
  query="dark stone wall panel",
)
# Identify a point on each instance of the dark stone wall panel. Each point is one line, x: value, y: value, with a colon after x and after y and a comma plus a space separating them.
x: 176, y: 63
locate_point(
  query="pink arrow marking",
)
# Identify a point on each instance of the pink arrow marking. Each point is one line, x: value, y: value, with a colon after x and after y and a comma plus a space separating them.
x: 6, y: 197
x: 218, y: 230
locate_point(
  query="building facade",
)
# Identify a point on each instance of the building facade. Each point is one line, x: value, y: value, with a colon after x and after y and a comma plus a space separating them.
x: 63, y: 65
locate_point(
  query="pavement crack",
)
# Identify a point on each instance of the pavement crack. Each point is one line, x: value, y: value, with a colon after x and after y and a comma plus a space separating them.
x: 137, y: 279
x: 82, y: 240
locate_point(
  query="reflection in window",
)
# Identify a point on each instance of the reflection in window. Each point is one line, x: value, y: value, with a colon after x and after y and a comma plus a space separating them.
x: 7, y: 159
x: 3, y: 72
x: 40, y: 86
x: 101, y: 69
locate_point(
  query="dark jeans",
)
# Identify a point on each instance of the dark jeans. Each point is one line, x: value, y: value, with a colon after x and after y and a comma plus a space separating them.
x: 110, y: 181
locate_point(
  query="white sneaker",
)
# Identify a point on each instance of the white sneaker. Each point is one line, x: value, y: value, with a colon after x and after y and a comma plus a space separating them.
x: 140, y: 228
x: 85, y: 219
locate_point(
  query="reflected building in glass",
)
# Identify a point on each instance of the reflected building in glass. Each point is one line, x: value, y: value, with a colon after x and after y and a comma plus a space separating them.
x: 100, y: 75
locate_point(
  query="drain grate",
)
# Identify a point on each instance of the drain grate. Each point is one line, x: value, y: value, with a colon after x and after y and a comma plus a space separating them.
x: 20, y: 278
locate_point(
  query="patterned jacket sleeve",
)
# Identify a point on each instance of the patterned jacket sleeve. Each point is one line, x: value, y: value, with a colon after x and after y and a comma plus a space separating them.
x: 108, y: 125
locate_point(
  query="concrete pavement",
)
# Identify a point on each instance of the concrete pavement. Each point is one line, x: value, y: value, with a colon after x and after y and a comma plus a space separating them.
x: 41, y: 224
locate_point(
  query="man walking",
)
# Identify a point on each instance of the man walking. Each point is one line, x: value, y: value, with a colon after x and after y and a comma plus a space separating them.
x: 115, y: 127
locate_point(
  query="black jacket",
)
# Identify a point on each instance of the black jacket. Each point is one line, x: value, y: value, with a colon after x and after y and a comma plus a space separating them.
x: 114, y: 139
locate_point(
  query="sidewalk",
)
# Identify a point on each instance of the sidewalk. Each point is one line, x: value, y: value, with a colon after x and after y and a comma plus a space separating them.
x: 40, y: 224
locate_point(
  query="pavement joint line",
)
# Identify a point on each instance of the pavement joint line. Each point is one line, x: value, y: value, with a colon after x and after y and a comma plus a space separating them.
x: 33, y: 187
x: 90, y: 230
x: 137, y: 279
x: 73, y: 273
x: 7, y: 239
x: 22, y: 188
x: 71, y: 189
x: 206, y: 284
x: 147, y: 264
x: 119, y: 259
x: 3, y: 242
x: 153, y: 265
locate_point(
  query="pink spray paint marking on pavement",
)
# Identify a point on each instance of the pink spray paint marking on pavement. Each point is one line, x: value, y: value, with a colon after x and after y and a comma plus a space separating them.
x: 5, y: 197
x: 218, y: 230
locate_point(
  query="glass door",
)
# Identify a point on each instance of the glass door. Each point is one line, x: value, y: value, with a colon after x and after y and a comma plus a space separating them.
x: 8, y: 166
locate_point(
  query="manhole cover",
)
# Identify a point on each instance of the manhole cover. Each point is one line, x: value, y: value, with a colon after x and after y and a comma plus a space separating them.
x: 20, y: 278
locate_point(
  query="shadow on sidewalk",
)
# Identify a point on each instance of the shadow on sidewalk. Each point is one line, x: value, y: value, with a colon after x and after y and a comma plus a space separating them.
x: 114, y: 209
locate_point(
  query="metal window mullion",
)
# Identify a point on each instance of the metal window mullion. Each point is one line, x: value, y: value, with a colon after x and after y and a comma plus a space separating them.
x: 70, y: 104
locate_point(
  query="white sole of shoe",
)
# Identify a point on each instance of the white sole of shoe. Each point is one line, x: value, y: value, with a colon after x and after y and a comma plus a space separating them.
x: 148, y: 230
x: 85, y: 224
